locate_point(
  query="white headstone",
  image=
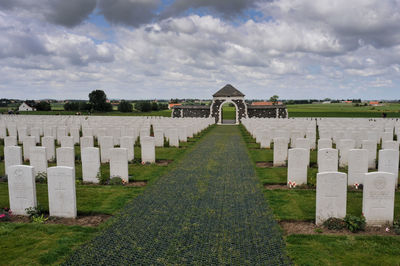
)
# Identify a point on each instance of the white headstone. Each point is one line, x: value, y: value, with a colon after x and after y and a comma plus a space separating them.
x: 27, y: 144
x: 62, y: 193
x: 390, y: 145
x: 159, y: 137
x: 328, y: 160
x: 330, y: 196
x: 119, y: 163
x: 265, y: 140
x: 66, y: 157
x: 344, y: 146
x: 371, y: 147
x: 148, y: 150
x: 106, y: 144
x: 378, y: 198
x: 10, y: 141
x: 87, y: 142
x: 173, y: 137
x: 324, y: 144
x: 38, y: 160
x: 303, y: 143
x: 389, y: 162
x: 49, y: 143
x: 67, y: 141
x: 128, y: 143
x: 358, y: 166
x: 75, y: 134
x: 90, y: 164
x: 297, y: 166
x: 280, y: 151
x: 21, y: 188
x: 12, y: 156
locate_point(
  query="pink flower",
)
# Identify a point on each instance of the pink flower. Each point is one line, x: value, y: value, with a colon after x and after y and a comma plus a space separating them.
x: 387, y: 229
x: 2, y: 216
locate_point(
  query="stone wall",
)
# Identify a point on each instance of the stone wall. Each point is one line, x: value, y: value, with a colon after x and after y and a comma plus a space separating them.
x: 191, y: 111
x: 266, y: 111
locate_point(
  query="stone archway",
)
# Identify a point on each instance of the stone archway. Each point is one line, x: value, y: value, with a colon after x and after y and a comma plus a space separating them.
x: 220, y: 120
x: 238, y: 102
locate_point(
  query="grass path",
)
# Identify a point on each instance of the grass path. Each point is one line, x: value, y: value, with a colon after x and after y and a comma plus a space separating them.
x: 209, y: 210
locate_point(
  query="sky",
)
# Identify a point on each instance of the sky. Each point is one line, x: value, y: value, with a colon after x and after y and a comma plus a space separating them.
x: 163, y: 49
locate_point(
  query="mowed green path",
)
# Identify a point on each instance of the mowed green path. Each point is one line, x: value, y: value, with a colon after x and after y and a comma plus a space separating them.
x: 209, y: 210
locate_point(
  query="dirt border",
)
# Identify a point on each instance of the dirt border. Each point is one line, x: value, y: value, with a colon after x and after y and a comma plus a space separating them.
x: 84, y: 220
x: 309, y: 228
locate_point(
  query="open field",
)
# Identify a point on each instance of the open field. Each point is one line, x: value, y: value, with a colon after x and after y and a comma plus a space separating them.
x: 299, y: 205
x: 342, y: 110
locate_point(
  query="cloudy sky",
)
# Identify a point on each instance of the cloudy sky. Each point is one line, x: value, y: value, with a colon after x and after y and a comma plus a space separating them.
x: 146, y: 49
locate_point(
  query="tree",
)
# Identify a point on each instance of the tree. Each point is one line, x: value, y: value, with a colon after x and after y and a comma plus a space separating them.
x: 43, y: 106
x: 154, y: 106
x: 143, y: 106
x: 125, y: 107
x: 98, y: 99
x: 274, y: 99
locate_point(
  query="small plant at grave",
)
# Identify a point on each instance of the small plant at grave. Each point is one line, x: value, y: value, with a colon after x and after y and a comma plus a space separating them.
x: 292, y: 184
x: 41, y: 178
x: 318, y: 230
x: 35, y: 211
x: 5, y: 214
x: 396, y: 226
x: 355, y: 223
x: 116, y: 180
x: 335, y: 223
x: 103, y: 180
x: 166, y: 143
x: 39, y: 219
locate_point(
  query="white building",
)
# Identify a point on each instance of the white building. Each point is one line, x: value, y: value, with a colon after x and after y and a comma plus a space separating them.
x: 25, y: 107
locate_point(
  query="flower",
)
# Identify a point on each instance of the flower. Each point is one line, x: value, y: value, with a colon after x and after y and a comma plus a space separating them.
x: 387, y: 229
x: 356, y: 185
x: 2, y: 216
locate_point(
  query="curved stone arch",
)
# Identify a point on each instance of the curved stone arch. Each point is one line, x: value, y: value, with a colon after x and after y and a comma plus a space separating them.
x: 220, y: 111
x: 218, y: 102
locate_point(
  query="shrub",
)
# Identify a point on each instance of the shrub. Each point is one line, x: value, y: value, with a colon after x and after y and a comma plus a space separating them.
x: 115, y: 181
x: 355, y: 223
x: 103, y: 180
x: 396, y: 227
x: 41, y: 178
x: 335, y: 224
x: 39, y: 219
x: 5, y: 214
x: 125, y: 107
x: 35, y: 212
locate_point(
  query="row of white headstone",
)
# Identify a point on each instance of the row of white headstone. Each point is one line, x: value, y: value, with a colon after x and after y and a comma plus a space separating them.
x: 61, y: 190
x: 358, y: 154
x: 61, y: 179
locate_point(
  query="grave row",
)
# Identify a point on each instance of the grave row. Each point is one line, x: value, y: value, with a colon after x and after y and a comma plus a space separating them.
x: 356, y: 149
x: 61, y: 179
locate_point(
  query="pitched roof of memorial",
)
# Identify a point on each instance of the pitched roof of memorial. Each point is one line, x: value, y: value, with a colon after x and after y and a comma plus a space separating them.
x: 228, y: 91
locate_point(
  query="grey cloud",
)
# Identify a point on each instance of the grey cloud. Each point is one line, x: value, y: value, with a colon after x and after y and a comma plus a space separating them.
x: 129, y: 12
x: 20, y: 44
x: 228, y: 8
x: 70, y: 13
x: 61, y: 12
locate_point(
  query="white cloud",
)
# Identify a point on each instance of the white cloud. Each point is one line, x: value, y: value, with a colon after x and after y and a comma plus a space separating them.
x: 307, y: 49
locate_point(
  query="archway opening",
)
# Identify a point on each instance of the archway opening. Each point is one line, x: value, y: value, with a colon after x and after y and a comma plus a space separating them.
x: 228, y: 113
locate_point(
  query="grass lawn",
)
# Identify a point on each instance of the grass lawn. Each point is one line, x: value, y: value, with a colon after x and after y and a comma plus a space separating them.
x: 163, y: 113
x: 342, y: 110
x: 50, y: 244
x: 33, y: 244
x: 299, y: 205
x: 343, y: 250
x: 228, y: 112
